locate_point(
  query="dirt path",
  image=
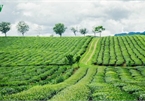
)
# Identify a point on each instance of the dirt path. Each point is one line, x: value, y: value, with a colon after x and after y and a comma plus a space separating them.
x: 90, y: 52
x: 93, y: 51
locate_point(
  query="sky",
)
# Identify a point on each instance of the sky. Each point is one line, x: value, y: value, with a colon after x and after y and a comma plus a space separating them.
x: 116, y: 16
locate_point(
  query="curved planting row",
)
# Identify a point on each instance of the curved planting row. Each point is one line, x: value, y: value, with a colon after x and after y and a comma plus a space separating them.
x: 118, y: 83
x: 22, y: 78
x: 78, y: 92
x: 94, y: 83
x: 16, y: 51
x: 47, y: 91
x: 120, y: 51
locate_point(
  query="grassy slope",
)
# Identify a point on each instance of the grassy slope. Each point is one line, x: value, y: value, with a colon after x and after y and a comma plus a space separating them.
x: 40, y: 50
x: 94, y: 83
x: 120, y: 51
x: 23, y: 61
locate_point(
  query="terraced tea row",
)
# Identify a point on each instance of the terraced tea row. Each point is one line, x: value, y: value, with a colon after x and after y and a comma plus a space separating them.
x: 47, y: 91
x: 94, y: 83
x: 40, y: 50
x: 38, y: 81
x: 118, y: 84
x: 126, y: 50
x: 79, y: 91
x: 16, y: 79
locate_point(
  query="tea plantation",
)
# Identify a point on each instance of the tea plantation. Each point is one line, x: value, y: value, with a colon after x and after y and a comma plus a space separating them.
x: 119, y: 51
x: 110, y: 68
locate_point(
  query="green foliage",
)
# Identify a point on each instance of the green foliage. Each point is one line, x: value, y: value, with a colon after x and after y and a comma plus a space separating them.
x: 99, y: 29
x: 120, y: 51
x: 83, y: 31
x: 7, y: 90
x: 74, y: 30
x: 70, y: 59
x: 5, y: 27
x: 47, y: 91
x: 22, y: 27
x: 131, y: 88
x: 40, y: 50
x: 117, y: 83
x: 104, y: 91
x: 59, y: 28
x: 73, y: 93
x: 16, y: 79
x: 142, y: 97
x: 79, y: 91
x: 33, y: 79
x: 93, y: 83
x: 77, y: 60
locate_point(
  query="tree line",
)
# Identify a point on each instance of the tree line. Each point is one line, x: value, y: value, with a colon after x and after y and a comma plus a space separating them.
x: 22, y: 27
x: 59, y: 28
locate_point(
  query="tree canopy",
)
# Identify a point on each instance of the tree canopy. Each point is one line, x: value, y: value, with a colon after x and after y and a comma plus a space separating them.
x: 99, y: 29
x: 83, y: 31
x: 59, y: 28
x: 22, y: 27
x: 70, y: 59
x: 5, y: 27
x: 77, y: 60
x: 74, y: 30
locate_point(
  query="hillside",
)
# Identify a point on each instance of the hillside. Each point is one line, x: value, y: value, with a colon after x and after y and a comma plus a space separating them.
x: 40, y: 50
x: 120, y: 51
x: 130, y: 33
x: 33, y: 68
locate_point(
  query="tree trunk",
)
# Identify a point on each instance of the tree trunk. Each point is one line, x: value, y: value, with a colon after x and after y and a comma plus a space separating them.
x: 100, y: 34
x: 94, y: 34
x: 22, y: 34
x: 60, y: 34
x: 75, y: 34
x: 5, y: 35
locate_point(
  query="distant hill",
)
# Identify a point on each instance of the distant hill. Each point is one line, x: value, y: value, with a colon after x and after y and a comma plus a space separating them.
x: 130, y: 33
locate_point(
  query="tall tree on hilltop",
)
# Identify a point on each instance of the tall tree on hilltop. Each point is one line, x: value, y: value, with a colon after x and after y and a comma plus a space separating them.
x: 5, y: 27
x: 74, y: 30
x: 22, y: 27
x: 99, y: 29
x: 83, y: 31
x: 59, y: 28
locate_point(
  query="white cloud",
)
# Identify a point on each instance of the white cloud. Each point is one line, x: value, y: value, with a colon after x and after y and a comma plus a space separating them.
x: 116, y: 15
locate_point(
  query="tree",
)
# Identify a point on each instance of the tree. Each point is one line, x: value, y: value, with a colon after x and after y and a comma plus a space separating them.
x: 5, y: 27
x: 74, y: 30
x: 22, y: 27
x: 94, y: 32
x: 59, y: 28
x: 70, y: 59
x: 99, y: 29
x: 77, y: 60
x: 83, y: 31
